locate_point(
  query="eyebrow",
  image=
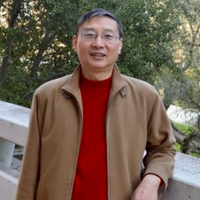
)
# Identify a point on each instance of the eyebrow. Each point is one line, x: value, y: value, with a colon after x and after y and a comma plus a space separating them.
x: 92, y: 29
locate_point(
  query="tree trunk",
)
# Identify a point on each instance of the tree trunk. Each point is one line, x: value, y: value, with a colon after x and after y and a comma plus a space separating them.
x: 5, y: 62
x: 43, y: 47
x: 189, y: 143
x: 179, y: 135
x: 14, y: 12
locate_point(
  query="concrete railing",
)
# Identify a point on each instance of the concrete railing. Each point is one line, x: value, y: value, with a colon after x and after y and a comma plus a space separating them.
x: 184, y: 185
x: 13, y: 131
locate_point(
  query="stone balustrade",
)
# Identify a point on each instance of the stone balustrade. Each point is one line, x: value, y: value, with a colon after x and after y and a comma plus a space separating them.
x: 184, y: 185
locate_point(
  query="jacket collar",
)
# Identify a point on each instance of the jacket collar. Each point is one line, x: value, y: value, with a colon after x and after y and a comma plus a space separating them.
x: 72, y: 86
x: 118, y: 83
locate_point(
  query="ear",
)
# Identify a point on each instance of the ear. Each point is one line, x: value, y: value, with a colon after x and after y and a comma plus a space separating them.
x: 120, y: 45
x: 74, y: 42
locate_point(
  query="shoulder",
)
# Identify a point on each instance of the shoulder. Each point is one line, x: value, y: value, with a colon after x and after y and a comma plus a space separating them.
x: 141, y: 91
x: 139, y: 85
x: 53, y: 86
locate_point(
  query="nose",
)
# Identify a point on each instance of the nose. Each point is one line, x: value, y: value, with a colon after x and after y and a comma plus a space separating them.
x: 98, y: 42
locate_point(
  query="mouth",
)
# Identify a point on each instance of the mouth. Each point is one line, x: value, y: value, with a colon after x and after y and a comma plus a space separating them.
x: 98, y: 55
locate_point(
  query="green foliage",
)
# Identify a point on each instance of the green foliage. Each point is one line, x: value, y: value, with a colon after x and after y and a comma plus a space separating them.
x: 195, y: 155
x: 185, y: 128
x: 183, y: 86
x: 178, y: 147
x: 41, y: 47
x: 149, y: 33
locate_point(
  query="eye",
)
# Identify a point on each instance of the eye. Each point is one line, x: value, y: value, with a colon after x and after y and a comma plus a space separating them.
x: 108, y: 36
x: 89, y: 34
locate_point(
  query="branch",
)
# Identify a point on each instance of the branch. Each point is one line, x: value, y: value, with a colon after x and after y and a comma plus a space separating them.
x: 179, y: 135
x: 58, y: 75
x: 43, y: 46
x: 194, y: 102
x: 194, y: 36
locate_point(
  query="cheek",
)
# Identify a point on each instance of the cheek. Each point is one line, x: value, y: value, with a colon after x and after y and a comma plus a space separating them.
x: 115, y: 52
x: 82, y: 48
x: 82, y: 53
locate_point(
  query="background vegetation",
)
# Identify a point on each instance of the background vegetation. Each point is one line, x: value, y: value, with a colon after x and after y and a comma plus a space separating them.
x: 161, y: 46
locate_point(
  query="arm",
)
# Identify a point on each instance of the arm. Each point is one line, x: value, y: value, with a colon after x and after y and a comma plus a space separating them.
x: 148, y: 188
x: 160, y: 150
x: 159, y: 159
x: 29, y: 174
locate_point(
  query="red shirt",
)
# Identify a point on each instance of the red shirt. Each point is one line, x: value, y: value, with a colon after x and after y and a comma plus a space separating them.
x: 91, y: 174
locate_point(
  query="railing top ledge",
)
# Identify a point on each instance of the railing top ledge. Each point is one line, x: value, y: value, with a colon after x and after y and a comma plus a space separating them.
x: 187, y: 170
x: 14, y: 113
x: 13, y: 122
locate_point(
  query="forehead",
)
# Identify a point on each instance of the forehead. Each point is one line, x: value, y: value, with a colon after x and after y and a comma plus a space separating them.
x: 100, y: 23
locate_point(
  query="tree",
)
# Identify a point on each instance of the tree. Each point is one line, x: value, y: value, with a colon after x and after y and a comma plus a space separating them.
x: 41, y: 48
x: 184, y: 87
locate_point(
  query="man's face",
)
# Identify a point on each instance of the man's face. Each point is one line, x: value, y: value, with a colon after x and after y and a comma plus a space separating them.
x: 97, y: 56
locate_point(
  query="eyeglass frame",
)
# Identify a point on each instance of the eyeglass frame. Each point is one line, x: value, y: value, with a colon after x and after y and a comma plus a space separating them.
x: 115, y: 37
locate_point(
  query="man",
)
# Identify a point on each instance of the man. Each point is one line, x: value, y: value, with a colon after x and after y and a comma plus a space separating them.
x: 89, y: 131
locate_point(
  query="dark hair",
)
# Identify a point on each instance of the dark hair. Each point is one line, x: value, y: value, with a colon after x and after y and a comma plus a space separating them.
x: 99, y: 12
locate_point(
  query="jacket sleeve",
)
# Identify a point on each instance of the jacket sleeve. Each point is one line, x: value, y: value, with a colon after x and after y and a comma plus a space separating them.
x: 160, y: 150
x: 29, y: 175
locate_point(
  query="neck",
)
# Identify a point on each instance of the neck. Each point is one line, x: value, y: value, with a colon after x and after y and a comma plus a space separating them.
x: 97, y: 76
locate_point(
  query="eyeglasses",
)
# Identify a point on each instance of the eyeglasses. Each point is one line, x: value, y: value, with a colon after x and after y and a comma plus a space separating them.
x: 90, y: 36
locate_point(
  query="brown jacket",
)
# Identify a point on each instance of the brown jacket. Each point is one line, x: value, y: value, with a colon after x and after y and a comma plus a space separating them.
x: 136, y: 120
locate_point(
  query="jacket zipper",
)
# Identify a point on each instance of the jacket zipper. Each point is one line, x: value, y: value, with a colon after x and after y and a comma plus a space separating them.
x: 70, y: 95
x: 110, y: 101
